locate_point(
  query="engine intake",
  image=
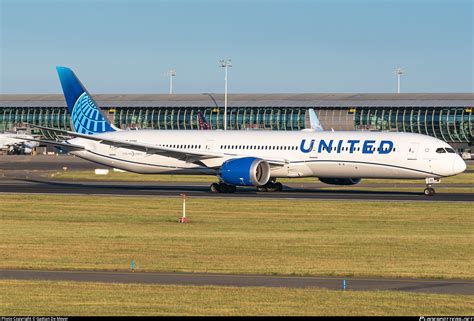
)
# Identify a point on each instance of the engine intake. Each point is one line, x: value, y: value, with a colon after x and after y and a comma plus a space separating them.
x: 340, y: 181
x: 246, y: 171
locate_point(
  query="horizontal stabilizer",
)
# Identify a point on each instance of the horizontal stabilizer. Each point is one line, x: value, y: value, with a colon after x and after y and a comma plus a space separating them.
x: 67, y: 147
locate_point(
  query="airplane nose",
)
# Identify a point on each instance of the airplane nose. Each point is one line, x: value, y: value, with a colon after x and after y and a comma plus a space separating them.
x: 459, y: 165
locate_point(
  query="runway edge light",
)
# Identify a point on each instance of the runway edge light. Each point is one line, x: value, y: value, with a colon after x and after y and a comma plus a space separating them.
x: 184, y: 219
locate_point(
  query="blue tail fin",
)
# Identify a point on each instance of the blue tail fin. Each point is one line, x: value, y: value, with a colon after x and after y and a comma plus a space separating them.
x: 86, y: 117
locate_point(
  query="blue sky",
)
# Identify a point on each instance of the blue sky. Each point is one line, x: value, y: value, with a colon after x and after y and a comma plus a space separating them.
x: 275, y: 46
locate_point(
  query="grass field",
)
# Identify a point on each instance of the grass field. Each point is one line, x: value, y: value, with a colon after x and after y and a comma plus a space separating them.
x: 388, y: 239
x: 74, y: 298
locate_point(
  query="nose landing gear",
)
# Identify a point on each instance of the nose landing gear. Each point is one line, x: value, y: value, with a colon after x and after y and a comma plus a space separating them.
x: 429, y: 190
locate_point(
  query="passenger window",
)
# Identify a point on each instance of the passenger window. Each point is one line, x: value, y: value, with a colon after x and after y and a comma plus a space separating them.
x: 440, y: 151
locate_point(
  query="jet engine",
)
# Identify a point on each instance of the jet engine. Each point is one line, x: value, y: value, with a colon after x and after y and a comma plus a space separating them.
x: 246, y: 171
x: 340, y: 181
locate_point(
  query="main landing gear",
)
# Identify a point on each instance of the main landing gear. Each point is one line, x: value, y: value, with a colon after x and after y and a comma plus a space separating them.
x: 222, y: 188
x: 271, y: 186
x: 429, y: 190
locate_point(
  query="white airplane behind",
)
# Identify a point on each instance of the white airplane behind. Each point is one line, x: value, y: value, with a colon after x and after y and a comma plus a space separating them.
x: 252, y: 158
x: 21, y: 142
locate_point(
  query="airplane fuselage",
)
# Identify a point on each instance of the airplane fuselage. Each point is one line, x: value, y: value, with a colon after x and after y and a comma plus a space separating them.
x: 354, y: 154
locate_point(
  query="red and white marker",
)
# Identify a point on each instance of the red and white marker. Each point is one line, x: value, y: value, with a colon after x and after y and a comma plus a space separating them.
x: 184, y: 219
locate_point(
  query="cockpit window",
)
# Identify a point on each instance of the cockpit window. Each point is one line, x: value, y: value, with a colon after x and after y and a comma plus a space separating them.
x: 450, y: 150
x: 440, y: 150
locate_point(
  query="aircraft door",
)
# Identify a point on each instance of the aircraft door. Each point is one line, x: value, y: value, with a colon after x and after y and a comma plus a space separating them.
x: 413, y: 151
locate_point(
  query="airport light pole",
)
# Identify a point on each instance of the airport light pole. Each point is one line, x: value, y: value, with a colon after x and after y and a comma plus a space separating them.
x: 399, y: 73
x: 225, y: 63
x: 171, y: 73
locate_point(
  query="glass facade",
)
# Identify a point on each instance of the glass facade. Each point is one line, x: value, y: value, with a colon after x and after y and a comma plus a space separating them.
x: 271, y: 118
x: 453, y: 124
x: 16, y: 117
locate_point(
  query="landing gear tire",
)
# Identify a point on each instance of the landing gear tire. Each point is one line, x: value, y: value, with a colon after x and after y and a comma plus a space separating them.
x: 429, y: 191
x: 270, y: 187
x: 222, y: 188
x: 215, y: 187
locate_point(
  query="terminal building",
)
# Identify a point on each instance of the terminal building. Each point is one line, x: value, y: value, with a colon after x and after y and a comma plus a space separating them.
x: 447, y: 116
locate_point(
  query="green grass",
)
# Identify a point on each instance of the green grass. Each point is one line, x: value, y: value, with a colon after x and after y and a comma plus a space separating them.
x: 388, y: 239
x: 75, y: 298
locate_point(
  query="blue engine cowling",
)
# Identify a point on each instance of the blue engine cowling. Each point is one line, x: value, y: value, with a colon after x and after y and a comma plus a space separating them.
x: 340, y: 181
x: 246, y: 171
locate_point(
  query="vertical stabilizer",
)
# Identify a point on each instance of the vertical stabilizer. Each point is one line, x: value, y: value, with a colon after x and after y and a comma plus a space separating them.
x: 312, y: 122
x: 86, y: 117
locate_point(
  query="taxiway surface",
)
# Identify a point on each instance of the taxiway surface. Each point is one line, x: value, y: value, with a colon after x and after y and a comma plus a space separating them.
x: 38, y: 186
x: 463, y: 287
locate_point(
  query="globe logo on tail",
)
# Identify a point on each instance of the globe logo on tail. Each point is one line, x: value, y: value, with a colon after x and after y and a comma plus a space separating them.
x: 87, y: 118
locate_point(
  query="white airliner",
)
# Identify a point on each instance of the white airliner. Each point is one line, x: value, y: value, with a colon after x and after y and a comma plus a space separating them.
x: 252, y: 158
x: 17, y: 143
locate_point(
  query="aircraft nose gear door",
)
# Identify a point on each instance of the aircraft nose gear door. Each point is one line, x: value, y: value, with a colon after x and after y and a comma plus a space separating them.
x: 413, y: 151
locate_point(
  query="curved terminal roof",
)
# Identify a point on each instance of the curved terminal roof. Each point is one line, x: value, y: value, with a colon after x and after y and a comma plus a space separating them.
x: 251, y: 100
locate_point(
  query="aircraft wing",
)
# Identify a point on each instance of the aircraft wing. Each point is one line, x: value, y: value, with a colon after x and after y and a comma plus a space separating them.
x: 205, y: 157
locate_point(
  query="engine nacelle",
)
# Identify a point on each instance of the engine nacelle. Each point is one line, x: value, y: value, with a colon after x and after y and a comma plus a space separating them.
x: 340, y: 181
x: 246, y: 171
